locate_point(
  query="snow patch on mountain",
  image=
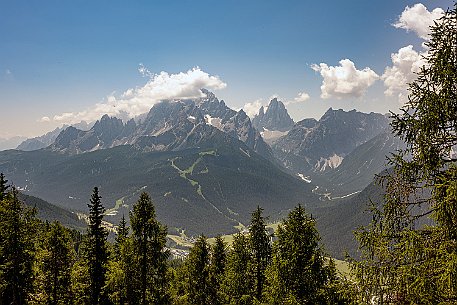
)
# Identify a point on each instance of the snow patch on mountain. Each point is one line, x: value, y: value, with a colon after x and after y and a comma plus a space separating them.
x: 215, y: 122
x: 307, y: 179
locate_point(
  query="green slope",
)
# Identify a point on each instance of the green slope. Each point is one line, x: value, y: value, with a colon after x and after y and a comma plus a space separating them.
x: 49, y: 212
x: 207, y: 190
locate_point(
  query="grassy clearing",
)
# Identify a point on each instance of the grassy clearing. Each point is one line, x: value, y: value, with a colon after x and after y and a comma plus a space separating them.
x: 183, y: 173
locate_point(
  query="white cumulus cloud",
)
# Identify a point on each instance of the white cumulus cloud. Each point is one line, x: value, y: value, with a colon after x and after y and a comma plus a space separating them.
x: 406, y: 63
x: 418, y: 19
x: 135, y: 101
x: 44, y: 119
x: 252, y: 108
x: 344, y: 80
x: 301, y: 97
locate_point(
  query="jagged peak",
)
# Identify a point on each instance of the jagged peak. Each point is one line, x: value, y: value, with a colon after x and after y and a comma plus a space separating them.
x: 209, y: 94
x: 241, y: 113
x: 261, y: 111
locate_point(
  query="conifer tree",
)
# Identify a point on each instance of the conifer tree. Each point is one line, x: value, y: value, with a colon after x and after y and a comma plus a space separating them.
x: 121, y: 269
x: 297, y: 274
x: 409, y: 252
x: 80, y: 276
x: 18, y: 225
x: 261, y: 250
x: 149, y: 239
x: 238, y: 279
x: 199, y: 289
x: 3, y: 187
x: 55, y: 259
x: 122, y: 273
x: 97, y: 252
x: 218, y: 261
x: 122, y: 233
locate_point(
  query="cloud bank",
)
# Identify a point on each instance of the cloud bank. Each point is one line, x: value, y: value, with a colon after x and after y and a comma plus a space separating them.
x: 344, y: 80
x: 135, y: 101
x: 418, y: 19
x: 406, y: 63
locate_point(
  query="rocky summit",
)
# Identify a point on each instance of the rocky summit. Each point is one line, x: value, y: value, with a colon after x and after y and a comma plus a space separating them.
x: 317, y: 146
x: 275, y: 117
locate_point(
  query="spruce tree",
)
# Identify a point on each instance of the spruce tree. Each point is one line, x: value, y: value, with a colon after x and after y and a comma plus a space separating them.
x: 297, y: 274
x: 97, y: 252
x: 238, y: 279
x: 261, y: 250
x: 122, y: 233
x: 121, y: 268
x: 199, y: 287
x: 218, y: 261
x: 409, y: 252
x: 149, y: 239
x: 3, y: 187
x: 122, y: 273
x: 17, y: 246
x: 55, y: 258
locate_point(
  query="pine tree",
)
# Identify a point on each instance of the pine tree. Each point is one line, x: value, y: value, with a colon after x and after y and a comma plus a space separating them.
x: 121, y: 267
x: 97, y: 252
x: 3, y: 187
x: 218, y: 261
x: 238, y: 279
x: 122, y: 233
x: 149, y: 238
x: 261, y: 250
x: 297, y: 274
x: 409, y: 251
x: 55, y: 259
x: 121, y: 284
x: 18, y: 226
x: 199, y: 289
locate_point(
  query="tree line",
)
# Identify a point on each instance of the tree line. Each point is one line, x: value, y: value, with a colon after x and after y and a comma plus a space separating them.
x: 46, y: 263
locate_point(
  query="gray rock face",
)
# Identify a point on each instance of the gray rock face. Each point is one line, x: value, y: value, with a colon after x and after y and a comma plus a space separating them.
x: 48, y: 138
x: 107, y: 132
x: 275, y: 117
x: 316, y: 146
x: 169, y: 125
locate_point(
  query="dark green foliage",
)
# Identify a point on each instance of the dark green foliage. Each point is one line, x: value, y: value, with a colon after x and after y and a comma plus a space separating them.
x: 46, y: 211
x: 55, y: 258
x: 218, y: 262
x: 238, y: 282
x: 261, y: 250
x: 3, y: 187
x: 97, y: 252
x: 198, y: 286
x: 298, y: 273
x: 122, y: 272
x: 17, y: 224
x: 122, y: 233
x: 149, y: 238
x: 233, y: 181
x: 123, y: 230
x: 409, y: 250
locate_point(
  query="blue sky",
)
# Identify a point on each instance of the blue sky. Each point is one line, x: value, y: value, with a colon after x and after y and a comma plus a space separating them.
x: 61, y: 57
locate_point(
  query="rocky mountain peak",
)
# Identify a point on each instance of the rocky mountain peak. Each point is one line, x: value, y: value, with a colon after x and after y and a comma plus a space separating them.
x: 324, y: 143
x: 275, y: 117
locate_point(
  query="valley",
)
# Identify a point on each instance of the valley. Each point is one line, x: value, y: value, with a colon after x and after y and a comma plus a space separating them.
x: 206, y: 177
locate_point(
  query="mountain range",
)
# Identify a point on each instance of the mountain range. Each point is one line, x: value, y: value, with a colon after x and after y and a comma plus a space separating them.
x: 207, y: 166
x: 313, y: 146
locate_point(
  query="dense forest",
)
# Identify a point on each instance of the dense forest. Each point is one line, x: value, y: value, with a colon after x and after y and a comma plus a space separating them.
x: 408, y: 251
